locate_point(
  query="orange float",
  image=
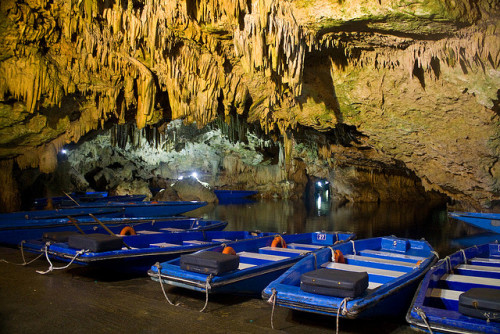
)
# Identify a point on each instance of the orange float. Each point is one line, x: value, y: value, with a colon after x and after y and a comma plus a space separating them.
x: 128, y: 230
x: 229, y: 250
x: 278, y: 241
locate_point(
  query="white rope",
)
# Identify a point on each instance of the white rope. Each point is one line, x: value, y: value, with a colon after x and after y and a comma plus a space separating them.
x: 207, y: 287
x: 333, y: 253
x: 447, y: 259
x: 465, y: 257
x: 272, y: 300
x: 51, y: 268
x: 435, y: 253
x: 158, y: 266
x: 353, y: 247
x: 344, y: 311
x: 422, y: 315
x: 24, y: 260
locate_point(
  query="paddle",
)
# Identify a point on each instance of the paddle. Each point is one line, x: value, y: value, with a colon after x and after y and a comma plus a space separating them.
x: 107, y: 229
x: 73, y: 220
x: 71, y: 198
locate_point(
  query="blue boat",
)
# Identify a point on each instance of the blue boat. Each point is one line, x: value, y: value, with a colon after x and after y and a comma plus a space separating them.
x: 225, y: 195
x: 257, y: 262
x: 487, y: 221
x: 442, y: 302
x: 132, y: 253
x: 358, y: 279
x: 79, y: 199
x: 147, y: 208
x: 14, y: 236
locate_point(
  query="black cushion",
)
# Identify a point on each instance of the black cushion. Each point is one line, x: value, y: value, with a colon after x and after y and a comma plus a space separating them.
x: 334, y: 282
x: 209, y: 262
x: 480, y: 303
x: 95, y: 242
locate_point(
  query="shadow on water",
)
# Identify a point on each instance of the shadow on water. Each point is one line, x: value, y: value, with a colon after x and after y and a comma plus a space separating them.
x: 408, y: 220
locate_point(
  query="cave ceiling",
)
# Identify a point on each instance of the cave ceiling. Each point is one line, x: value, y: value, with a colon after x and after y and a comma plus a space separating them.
x: 418, y: 81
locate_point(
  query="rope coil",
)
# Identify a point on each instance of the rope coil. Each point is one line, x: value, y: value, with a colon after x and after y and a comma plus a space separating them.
x: 422, y: 315
x: 272, y: 300
x: 51, y: 267
x: 158, y: 266
x: 344, y: 312
x: 207, y: 287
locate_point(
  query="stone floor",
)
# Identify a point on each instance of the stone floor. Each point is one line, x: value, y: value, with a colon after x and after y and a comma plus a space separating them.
x: 80, y: 300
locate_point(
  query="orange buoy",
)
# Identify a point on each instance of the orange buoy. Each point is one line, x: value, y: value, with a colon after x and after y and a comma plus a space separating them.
x: 229, y: 250
x: 279, y: 241
x: 128, y: 230
x: 338, y: 256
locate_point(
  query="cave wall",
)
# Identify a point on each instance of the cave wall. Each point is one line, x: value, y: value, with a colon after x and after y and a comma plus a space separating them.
x: 417, y: 81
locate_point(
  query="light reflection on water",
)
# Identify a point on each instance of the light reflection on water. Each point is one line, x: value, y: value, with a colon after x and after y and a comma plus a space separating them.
x: 408, y: 220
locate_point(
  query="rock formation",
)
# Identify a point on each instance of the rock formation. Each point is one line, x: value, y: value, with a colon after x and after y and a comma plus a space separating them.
x: 398, y: 95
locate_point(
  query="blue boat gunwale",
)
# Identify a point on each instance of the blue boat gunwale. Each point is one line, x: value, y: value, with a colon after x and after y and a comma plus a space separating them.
x: 442, y: 319
x: 197, y: 281
x: 354, y: 306
x: 61, y: 250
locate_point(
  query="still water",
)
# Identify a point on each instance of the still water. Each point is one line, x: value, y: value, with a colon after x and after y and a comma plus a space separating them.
x: 407, y: 220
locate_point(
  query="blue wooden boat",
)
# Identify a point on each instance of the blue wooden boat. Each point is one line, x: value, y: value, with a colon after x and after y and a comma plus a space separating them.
x: 233, y: 196
x: 144, y: 249
x: 362, y: 278
x: 259, y: 261
x: 14, y: 236
x: 487, y: 221
x: 440, y: 304
x: 73, y: 199
x: 148, y: 208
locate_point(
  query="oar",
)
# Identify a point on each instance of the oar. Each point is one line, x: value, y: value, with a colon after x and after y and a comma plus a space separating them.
x: 73, y: 220
x: 107, y: 229
x: 71, y: 198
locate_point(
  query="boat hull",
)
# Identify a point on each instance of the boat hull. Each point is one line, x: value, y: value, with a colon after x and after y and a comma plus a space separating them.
x: 145, y: 249
x: 393, y: 278
x: 486, y: 221
x: 255, y: 271
x: 438, y: 296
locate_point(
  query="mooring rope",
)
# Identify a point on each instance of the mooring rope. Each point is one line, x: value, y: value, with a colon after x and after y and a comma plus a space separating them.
x: 333, y: 253
x: 51, y: 267
x: 422, y: 315
x: 207, y: 287
x: 465, y: 256
x: 24, y: 259
x: 353, y: 247
x: 344, y: 311
x: 315, y: 261
x: 447, y: 259
x: 272, y: 300
x: 158, y: 266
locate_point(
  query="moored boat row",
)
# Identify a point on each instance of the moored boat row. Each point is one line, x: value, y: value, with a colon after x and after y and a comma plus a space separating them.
x: 328, y: 273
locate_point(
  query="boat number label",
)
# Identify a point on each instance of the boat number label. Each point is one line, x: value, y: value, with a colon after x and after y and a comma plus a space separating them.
x: 321, y: 236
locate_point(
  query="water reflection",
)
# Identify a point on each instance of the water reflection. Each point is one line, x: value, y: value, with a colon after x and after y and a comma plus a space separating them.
x: 410, y: 220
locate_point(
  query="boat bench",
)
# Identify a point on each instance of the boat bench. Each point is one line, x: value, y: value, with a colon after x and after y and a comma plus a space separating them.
x: 147, y: 232
x: 290, y: 252
x: 368, y: 261
x: 172, y: 229
x: 466, y: 282
x: 477, y: 270
x: 391, y: 256
x: 308, y: 247
x: 163, y: 245
x: 375, y: 275
x: 195, y: 242
x: 482, y: 261
x: 258, y: 258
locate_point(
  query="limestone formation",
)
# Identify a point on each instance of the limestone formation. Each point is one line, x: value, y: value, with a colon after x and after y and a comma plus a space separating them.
x: 399, y: 92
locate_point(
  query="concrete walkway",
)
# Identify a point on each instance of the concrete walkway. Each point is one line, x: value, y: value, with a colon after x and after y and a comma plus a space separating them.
x: 80, y: 300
